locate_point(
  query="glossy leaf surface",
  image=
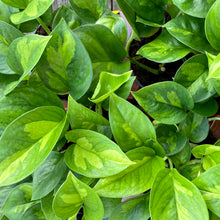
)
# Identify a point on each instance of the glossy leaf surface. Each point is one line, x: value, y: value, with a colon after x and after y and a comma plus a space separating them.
x: 190, y: 31
x: 174, y: 197
x: 16, y: 4
x: 94, y: 155
x: 48, y: 174
x: 141, y: 175
x: 65, y: 64
x: 164, y: 49
x: 70, y: 197
x: 123, y: 118
x: 34, y: 9
x: 194, y: 8
x: 212, y: 23
x: 100, y: 49
x: 166, y: 102
x: 29, y: 139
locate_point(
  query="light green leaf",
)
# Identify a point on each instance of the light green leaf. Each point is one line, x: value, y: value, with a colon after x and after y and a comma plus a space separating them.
x: 27, y: 141
x: 134, y: 208
x: 195, y: 127
x: 17, y: 4
x: 100, y: 49
x: 94, y: 155
x: 190, y: 31
x: 141, y: 175
x: 48, y: 175
x: 166, y: 102
x: 81, y: 117
x: 164, y: 49
x: 23, y: 99
x: 34, y: 9
x: 195, y: 8
x: 46, y: 204
x: 174, y: 197
x: 18, y: 202
x: 173, y: 141
x: 123, y: 118
x: 108, y: 83
x: 89, y: 10
x: 65, y: 64
x: 208, y: 182
x: 211, y: 25
x: 23, y: 55
x: 6, y: 11
x: 72, y: 195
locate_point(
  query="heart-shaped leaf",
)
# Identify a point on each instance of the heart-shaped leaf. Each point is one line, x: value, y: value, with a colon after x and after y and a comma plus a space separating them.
x: 94, y: 155
x: 72, y: 195
x: 27, y: 141
x: 166, y: 102
x: 174, y: 197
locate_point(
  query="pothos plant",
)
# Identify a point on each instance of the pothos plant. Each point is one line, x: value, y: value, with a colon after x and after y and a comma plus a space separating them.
x: 54, y: 163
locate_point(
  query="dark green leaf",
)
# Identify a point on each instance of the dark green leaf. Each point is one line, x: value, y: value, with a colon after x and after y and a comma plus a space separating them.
x: 109, y: 205
x: 164, y: 49
x: 70, y: 197
x: 29, y: 140
x: 166, y: 102
x: 94, y: 155
x: 100, y: 49
x: 6, y: 11
x: 174, y: 197
x: 17, y: 4
x: 141, y: 175
x: 123, y: 118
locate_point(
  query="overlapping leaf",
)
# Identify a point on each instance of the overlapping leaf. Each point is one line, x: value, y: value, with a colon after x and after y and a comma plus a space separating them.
x: 27, y: 141
x: 72, y: 195
x: 166, y: 102
x: 65, y: 64
x: 174, y: 197
x: 94, y: 155
x: 141, y: 175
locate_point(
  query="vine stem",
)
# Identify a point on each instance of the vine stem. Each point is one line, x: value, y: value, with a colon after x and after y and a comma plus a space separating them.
x: 170, y: 163
x: 44, y: 26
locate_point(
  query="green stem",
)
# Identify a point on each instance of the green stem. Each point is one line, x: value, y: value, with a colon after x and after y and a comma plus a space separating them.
x: 98, y: 108
x: 44, y: 26
x: 170, y: 163
x: 154, y: 71
x: 130, y: 39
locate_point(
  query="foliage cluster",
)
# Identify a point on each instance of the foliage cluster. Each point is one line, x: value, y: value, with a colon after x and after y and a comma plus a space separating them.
x: 55, y: 162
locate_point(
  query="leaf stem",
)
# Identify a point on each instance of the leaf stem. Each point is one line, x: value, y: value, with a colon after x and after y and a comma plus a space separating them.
x: 44, y: 26
x: 170, y: 163
x: 98, y: 108
x: 154, y: 71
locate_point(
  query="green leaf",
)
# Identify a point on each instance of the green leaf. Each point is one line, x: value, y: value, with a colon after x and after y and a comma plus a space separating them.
x: 108, y: 83
x: 17, y: 4
x: 195, y: 127
x: 109, y: 205
x: 89, y: 10
x: 72, y: 195
x: 48, y: 175
x: 174, y: 197
x: 211, y: 25
x: 18, y: 202
x: 166, y: 102
x: 23, y: 55
x: 5, y: 12
x: 23, y: 99
x: 34, y: 213
x: 116, y: 24
x: 34, y: 9
x: 46, y: 204
x: 134, y: 208
x: 191, y: 169
x: 210, y: 155
x: 190, y: 31
x: 152, y: 8
x: 141, y: 175
x: 70, y: 17
x: 208, y: 182
x: 65, y: 64
x: 194, y: 8
x: 123, y: 118
x: 81, y: 117
x: 27, y: 141
x: 164, y: 49
x: 100, y: 49
x: 173, y: 141
x: 94, y: 155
